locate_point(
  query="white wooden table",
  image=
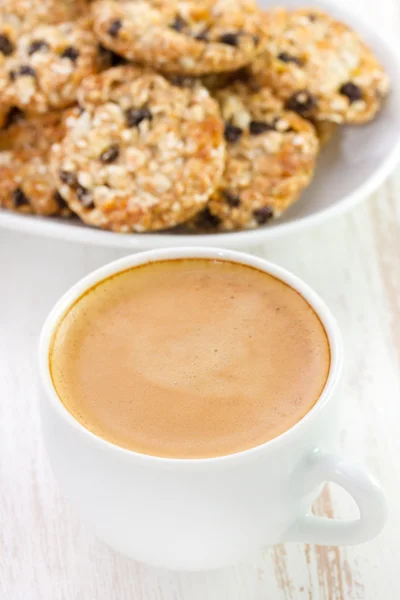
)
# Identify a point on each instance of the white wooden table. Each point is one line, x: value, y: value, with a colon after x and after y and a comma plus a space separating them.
x: 353, y: 261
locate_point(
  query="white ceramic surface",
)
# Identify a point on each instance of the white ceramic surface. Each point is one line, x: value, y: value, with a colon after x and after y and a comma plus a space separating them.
x: 206, y: 513
x: 349, y: 169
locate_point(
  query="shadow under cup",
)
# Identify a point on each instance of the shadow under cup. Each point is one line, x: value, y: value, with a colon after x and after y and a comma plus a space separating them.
x: 201, y: 513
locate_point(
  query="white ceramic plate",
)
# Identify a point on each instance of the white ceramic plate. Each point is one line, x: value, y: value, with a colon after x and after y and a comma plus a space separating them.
x: 350, y: 168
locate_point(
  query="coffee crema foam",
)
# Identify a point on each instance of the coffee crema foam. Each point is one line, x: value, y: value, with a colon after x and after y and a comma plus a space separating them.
x: 189, y: 358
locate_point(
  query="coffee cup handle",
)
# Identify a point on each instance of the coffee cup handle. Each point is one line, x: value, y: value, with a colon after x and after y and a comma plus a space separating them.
x: 359, y: 482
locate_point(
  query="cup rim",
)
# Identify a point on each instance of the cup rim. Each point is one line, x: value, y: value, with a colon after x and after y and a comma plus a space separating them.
x: 78, y: 289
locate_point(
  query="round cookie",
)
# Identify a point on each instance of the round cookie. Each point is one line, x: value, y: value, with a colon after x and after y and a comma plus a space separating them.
x: 144, y: 155
x: 271, y: 155
x: 181, y: 37
x: 42, y: 69
x: 26, y: 184
x: 320, y: 67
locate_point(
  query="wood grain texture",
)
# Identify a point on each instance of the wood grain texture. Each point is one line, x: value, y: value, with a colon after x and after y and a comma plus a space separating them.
x: 353, y: 261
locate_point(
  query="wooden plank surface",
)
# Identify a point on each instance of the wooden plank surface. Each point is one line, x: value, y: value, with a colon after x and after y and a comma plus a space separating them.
x: 46, y: 553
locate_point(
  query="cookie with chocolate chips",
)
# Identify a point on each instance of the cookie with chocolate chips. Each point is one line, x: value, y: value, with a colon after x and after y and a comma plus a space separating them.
x: 181, y: 37
x: 320, y: 67
x: 271, y: 155
x: 144, y: 154
x: 26, y: 184
x: 42, y: 69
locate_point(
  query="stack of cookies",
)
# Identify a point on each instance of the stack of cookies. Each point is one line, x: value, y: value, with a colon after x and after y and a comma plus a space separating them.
x: 145, y: 115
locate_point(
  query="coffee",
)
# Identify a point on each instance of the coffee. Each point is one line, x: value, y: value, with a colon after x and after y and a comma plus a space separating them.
x: 189, y: 358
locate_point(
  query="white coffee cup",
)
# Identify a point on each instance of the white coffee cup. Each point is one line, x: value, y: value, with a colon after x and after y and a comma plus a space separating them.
x: 206, y: 513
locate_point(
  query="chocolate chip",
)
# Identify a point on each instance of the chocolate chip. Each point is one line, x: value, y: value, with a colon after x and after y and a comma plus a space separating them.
x: 114, y: 28
x: 13, y: 116
x: 68, y: 178
x: 23, y: 71
x: 231, y: 198
x: 258, y: 127
x: 256, y: 39
x: 232, y: 133
x: 60, y: 200
x: 27, y: 70
x: 312, y: 17
x: 134, y: 116
x: 6, y: 45
x: 71, y: 53
x: 85, y: 197
x: 202, y: 36
x: 352, y: 91
x: 263, y: 214
x: 36, y: 46
x: 19, y: 198
x: 206, y: 219
x: 110, y: 155
x: 179, y: 23
x: 289, y: 58
x: 232, y: 39
x: 301, y: 102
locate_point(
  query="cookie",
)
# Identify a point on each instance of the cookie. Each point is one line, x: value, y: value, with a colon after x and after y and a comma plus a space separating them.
x: 271, y: 155
x: 42, y: 69
x: 26, y: 184
x: 320, y: 67
x: 144, y: 155
x: 181, y: 37
x: 28, y: 13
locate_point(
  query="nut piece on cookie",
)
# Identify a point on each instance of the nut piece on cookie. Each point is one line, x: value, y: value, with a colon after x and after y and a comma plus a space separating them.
x: 43, y: 69
x: 26, y: 184
x: 271, y: 155
x: 320, y: 67
x: 144, y: 155
x: 182, y: 37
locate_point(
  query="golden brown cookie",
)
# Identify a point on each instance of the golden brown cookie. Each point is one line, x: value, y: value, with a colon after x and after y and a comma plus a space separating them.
x: 144, y: 154
x: 320, y: 67
x: 271, y: 155
x: 182, y: 37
